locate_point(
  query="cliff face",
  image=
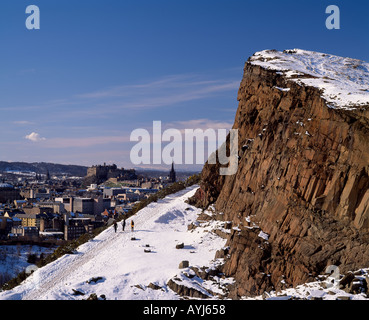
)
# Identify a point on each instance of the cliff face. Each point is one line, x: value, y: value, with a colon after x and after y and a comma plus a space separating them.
x: 300, y: 198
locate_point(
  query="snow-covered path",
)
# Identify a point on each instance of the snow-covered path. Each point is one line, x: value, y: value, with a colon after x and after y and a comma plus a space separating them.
x: 124, y: 268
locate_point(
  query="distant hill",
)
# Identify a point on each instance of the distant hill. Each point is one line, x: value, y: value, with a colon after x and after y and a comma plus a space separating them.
x: 42, y: 168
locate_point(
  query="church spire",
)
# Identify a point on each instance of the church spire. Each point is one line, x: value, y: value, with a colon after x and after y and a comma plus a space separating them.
x: 172, y: 174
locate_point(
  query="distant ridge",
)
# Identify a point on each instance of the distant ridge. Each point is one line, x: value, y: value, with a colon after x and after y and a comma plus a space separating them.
x: 43, y: 167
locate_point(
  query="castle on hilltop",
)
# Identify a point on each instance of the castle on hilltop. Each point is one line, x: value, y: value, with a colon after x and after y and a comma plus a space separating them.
x: 100, y: 173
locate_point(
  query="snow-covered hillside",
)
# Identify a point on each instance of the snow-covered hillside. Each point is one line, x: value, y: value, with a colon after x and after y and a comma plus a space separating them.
x: 114, y: 265
x: 13, y: 259
x: 344, y: 81
x: 117, y: 267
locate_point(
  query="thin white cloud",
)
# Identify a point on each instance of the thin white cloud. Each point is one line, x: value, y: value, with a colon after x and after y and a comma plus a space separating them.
x: 174, y: 81
x: 163, y: 92
x: 83, y: 142
x: 23, y: 122
x: 35, y: 137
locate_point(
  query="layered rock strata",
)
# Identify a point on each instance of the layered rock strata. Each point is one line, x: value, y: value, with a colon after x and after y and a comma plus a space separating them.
x: 300, y: 198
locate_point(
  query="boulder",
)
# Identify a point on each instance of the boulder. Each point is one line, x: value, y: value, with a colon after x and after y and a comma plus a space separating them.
x: 78, y: 292
x: 345, y: 282
x: 185, y: 291
x: 356, y: 287
x: 184, y: 264
x: 154, y: 286
x: 93, y: 296
x: 343, y: 298
x: 94, y: 280
x: 180, y: 246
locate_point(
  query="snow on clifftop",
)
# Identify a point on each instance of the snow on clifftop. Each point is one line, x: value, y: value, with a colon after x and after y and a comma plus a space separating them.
x: 344, y: 81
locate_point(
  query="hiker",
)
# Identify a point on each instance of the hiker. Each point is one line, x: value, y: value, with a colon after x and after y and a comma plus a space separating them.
x: 115, y: 226
x: 124, y: 224
x: 132, y: 225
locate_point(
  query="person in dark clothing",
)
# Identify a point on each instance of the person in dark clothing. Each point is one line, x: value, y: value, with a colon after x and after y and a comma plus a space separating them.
x: 124, y: 224
x: 115, y: 226
x: 132, y: 225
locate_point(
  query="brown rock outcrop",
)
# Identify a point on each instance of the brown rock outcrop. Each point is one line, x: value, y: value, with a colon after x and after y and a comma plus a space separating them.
x: 302, y: 179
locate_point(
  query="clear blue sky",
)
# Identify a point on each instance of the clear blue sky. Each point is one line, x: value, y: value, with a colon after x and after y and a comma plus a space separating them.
x: 96, y: 70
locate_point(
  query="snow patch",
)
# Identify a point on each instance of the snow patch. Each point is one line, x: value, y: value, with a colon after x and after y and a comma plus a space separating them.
x: 282, y: 89
x: 263, y: 235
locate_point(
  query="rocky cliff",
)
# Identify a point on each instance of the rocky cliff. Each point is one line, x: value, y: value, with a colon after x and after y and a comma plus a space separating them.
x: 300, y: 198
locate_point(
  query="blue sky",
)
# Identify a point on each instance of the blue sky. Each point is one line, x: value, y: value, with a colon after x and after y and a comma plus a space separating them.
x: 96, y: 70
